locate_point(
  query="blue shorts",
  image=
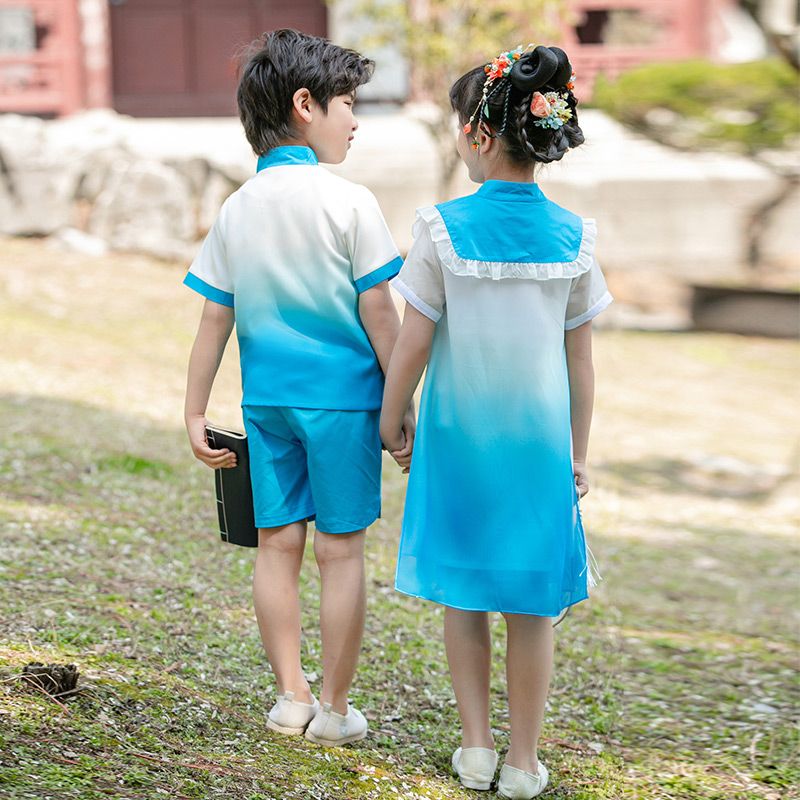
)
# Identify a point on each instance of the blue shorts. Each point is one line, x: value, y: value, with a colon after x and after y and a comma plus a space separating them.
x: 314, y: 464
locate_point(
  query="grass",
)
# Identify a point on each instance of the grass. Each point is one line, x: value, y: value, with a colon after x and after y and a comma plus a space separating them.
x: 677, y: 680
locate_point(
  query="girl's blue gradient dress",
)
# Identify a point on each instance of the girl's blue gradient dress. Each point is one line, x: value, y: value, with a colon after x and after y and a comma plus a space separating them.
x: 492, y: 521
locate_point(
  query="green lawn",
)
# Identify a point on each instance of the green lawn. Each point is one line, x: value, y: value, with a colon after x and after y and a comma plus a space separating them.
x: 677, y: 680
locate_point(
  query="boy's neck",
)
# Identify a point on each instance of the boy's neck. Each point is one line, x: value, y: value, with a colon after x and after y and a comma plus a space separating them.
x: 298, y: 142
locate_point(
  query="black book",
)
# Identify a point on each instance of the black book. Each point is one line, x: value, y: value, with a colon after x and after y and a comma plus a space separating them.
x: 234, y: 490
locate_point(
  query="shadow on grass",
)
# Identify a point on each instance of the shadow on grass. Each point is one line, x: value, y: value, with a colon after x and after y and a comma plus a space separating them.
x: 711, y: 477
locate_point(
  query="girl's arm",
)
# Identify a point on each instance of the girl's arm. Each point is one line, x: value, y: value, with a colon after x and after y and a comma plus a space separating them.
x: 213, y: 333
x: 581, y: 389
x: 408, y: 360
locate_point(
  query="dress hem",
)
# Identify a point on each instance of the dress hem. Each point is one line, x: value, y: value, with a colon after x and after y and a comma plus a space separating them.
x: 498, y: 610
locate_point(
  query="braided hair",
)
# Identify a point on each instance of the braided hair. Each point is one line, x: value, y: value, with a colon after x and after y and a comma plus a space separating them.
x: 507, y: 105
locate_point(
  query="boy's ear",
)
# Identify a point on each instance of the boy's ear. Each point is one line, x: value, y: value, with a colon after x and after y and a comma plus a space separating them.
x: 301, y: 102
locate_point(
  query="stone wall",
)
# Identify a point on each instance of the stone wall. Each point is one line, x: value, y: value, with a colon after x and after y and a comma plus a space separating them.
x: 154, y: 186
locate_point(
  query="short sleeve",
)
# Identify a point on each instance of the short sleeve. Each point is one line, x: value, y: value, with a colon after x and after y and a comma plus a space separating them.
x: 588, y: 296
x: 373, y: 253
x: 420, y: 281
x: 209, y: 273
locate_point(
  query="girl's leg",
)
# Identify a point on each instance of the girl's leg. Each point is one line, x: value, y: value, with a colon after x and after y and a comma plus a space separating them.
x: 529, y: 664
x: 466, y: 637
x: 277, y: 603
x: 340, y: 557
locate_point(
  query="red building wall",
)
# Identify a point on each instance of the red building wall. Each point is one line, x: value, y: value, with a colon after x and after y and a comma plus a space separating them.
x: 610, y: 36
x: 41, y: 58
x: 174, y: 57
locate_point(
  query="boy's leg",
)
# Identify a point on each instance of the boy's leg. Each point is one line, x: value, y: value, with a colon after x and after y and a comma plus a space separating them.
x: 277, y: 604
x: 529, y: 664
x: 466, y: 637
x: 342, y: 610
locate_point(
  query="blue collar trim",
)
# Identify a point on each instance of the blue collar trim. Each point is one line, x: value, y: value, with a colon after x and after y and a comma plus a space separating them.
x: 287, y: 154
x: 513, y: 223
x: 511, y: 190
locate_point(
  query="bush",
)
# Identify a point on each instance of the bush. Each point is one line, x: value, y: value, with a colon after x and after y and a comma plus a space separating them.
x: 747, y: 107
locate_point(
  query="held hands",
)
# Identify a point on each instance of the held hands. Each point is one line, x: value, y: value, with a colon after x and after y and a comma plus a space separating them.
x: 581, y: 477
x: 401, y: 443
x: 216, y: 459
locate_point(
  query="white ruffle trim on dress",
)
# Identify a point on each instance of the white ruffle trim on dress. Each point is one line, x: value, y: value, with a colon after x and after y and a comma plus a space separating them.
x: 498, y: 270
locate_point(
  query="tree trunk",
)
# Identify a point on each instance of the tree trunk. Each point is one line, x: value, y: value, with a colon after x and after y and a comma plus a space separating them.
x: 758, y: 223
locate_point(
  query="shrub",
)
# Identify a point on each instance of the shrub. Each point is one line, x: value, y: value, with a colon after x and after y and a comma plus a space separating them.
x: 746, y: 107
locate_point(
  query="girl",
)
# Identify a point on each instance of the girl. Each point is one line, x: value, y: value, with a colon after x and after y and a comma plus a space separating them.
x: 500, y: 286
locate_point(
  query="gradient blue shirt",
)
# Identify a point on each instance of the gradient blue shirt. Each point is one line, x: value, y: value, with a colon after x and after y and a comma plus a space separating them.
x: 291, y: 251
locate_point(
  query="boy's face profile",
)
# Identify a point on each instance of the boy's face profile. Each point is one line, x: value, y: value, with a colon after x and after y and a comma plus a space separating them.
x: 328, y: 134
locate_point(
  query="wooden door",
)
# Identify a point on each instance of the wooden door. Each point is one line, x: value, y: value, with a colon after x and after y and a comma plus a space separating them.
x: 177, y: 58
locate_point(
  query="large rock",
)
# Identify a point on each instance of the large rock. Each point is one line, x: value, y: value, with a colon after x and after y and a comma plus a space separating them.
x: 682, y: 214
x: 145, y: 206
x: 37, y: 179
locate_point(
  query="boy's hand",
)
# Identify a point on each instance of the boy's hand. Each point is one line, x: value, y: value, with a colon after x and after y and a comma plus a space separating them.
x: 581, y: 477
x: 216, y: 459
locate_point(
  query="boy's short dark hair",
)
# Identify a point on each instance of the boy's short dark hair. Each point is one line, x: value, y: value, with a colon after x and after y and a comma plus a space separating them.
x: 279, y: 63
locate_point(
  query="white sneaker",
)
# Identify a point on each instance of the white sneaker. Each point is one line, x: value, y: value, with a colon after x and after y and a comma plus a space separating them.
x: 475, y: 767
x: 516, y: 784
x: 331, y: 729
x: 289, y: 716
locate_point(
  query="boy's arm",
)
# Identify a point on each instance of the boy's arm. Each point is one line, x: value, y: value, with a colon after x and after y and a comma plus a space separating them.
x: 382, y: 323
x: 409, y: 358
x: 578, y: 343
x: 213, y: 333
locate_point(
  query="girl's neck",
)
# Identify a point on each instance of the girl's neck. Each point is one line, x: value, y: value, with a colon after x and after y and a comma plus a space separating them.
x: 501, y: 170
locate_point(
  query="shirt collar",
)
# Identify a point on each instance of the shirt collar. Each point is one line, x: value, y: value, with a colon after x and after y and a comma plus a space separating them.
x: 286, y: 154
x: 511, y: 190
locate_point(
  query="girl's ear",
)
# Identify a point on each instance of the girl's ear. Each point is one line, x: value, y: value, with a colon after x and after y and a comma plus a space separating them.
x: 486, y: 138
x: 301, y: 102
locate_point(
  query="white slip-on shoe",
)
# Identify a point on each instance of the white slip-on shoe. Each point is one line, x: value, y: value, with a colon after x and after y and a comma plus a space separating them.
x: 331, y: 729
x: 516, y: 784
x: 475, y: 767
x: 290, y: 717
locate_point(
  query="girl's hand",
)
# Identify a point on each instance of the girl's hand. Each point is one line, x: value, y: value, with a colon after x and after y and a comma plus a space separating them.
x: 399, y: 447
x: 216, y: 459
x: 403, y: 455
x: 581, y: 477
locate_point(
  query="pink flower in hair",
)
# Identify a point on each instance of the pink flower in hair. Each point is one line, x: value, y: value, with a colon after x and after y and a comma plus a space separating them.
x: 540, y: 107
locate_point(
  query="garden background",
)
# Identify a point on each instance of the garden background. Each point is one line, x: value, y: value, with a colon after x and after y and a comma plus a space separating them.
x: 677, y: 680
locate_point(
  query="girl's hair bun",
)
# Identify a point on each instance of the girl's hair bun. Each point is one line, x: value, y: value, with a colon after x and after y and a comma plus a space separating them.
x: 534, y: 69
x: 542, y: 66
x: 503, y: 93
x: 564, y: 71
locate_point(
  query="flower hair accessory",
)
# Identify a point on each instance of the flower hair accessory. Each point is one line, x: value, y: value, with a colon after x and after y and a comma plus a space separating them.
x: 550, y: 109
x: 496, y: 69
x: 528, y: 70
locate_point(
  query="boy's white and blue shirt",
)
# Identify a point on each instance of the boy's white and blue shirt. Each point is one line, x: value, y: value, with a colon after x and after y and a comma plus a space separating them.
x: 290, y: 251
x: 492, y: 520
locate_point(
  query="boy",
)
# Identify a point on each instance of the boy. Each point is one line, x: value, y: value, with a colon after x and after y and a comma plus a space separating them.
x: 304, y: 257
